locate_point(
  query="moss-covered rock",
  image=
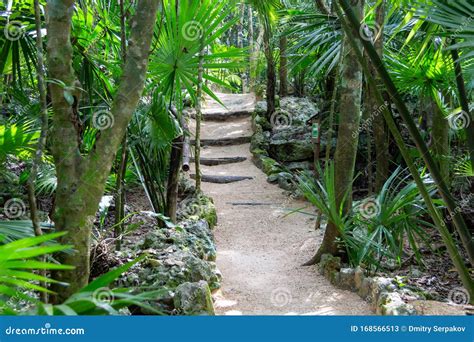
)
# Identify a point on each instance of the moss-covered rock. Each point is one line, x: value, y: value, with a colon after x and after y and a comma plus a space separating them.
x: 260, y: 140
x: 270, y: 166
x: 291, y: 144
x: 193, y: 299
x: 170, y: 269
x: 261, y: 120
x: 197, y: 207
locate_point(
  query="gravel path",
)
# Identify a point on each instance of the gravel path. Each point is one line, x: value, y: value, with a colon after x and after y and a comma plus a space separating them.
x: 260, y: 249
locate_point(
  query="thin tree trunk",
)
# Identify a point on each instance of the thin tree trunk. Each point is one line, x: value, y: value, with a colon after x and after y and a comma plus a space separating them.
x: 40, y: 69
x: 122, y: 165
x: 463, y: 99
x: 120, y: 195
x: 382, y: 155
x: 81, y: 179
x: 173, y: 178
x: 323, y: 8
x: 251, y: 51
x: 271, y: 70
x: 347, y: 140
x: 440, y: 141
x: 197, y: 151
x: 241, y: 43
x: 332, y: 110
x: 283, y: 66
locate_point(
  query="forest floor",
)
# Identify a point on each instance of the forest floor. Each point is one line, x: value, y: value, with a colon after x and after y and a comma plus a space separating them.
x: 260, y: 248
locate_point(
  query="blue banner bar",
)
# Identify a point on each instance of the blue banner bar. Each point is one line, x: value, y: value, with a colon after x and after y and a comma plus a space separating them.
x: 241, y: 329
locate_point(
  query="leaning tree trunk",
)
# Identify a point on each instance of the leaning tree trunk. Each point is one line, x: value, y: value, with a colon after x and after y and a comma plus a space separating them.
x: 81, y: 179
x: 347, y: 139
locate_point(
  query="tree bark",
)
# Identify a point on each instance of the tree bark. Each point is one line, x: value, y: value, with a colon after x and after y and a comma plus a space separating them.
x: 251, y: 50
x: 173, y: 178
x: 197, y: 150
x: 271, y: 70
x: 283, y: 66
x: 81, y: 179
x: 382, y: 155
x: 122, y: 164
x: 464, y: 101
x: 347, y: 139
x: 440, y: 141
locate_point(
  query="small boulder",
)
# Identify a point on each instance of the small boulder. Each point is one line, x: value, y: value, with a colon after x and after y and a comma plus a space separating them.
x: 193, y: 299
x: 346, y: 279
x: 391, y: 304
x: 285, y: 181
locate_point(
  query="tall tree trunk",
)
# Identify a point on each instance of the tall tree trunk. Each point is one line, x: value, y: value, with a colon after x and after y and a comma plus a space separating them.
x: 81, y: 179
x: 241, y: 43
x: 40, y: 69
x: 251, y: 51
x: 382, y: 155
x: 347, y: 139
x: 197, y: 150
x: 122, y: 164
x: 271, y: 70
x: 283, y: 66
x: 464, y: 101
x: 440, y: 141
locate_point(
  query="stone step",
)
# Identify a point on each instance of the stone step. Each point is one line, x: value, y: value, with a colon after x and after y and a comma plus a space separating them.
x: 224, y: 116
x: 221, y: 179
x: 220, y: 161
x: 224, y: 141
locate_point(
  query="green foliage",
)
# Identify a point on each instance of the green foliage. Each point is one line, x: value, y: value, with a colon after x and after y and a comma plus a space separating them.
x: 19, y: 280
x: 384, y: 225
x: 18, y: 263
x: 19, y: 229
x: 98, y: 299
x: 377, y: 229
x: 323, y: 195
x: 455, y: 17
x: 464, y: 168
x: 183, y: 35
x: 318, y: 40
x: 17, y: 140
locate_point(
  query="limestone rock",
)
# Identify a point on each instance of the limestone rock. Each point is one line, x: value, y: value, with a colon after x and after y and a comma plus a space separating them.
x: 358, y: 277
x: 346, y: 279
x: 329, y: 264
x: 285, y: 181
x: 193, y: 299
x: 291, y: 144
x: 391, y: 304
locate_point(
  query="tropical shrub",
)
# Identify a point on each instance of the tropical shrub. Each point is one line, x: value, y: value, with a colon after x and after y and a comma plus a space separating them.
x: 376, y: 229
